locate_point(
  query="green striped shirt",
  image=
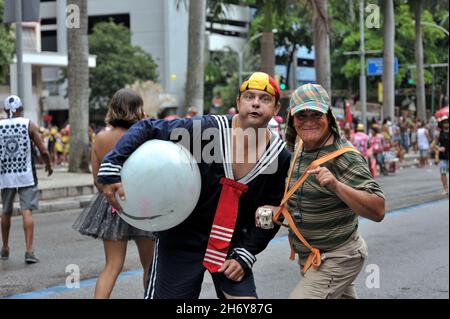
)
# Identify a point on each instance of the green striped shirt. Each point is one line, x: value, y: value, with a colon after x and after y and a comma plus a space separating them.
x: 321, y: 217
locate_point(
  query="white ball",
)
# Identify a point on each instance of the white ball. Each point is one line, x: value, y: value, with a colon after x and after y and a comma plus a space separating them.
x: 162, y: 184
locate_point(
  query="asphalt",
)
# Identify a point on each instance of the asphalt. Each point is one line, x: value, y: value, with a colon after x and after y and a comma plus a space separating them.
x: 408, y: 187
x: 408, y: 259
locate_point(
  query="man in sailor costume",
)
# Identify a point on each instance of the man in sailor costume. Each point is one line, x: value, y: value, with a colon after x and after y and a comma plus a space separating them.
x: 220, y: 234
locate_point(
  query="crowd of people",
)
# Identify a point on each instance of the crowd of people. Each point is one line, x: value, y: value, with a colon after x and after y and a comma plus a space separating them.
x: 316, y: 155
x: 56, y: 141
x: 388, y: 142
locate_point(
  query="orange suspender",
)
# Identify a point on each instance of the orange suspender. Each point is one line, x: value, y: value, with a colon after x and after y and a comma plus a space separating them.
x: 314, y: 257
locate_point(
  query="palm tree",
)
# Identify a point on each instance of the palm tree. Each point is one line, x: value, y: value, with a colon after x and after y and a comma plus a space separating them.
x: 196, y: 55
x: 322, y: 43
x: 420, y: 82
x: 388, y: 60
x: 267, y: 41
x: 78, y: 91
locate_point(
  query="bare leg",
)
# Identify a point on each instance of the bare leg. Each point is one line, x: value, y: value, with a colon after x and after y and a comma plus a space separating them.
x: 145, y: 247
x: 444, y: 183
x: 6, y: 226
x: 28, y: 228
x: 115, y: 252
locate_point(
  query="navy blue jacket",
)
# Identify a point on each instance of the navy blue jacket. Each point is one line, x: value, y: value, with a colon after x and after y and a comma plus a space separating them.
x: 193, y: 233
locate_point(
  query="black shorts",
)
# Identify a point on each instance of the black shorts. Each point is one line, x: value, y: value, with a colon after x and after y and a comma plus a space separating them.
x: 178, y: 274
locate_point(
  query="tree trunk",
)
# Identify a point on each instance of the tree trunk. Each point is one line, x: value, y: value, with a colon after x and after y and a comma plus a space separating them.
x: 196, y: 56
x: 388, y: 60
x: 78, y: 91
x: 420, y: 82
x: 289, y: 68
x: 322, y: 44
x: 267, y: 42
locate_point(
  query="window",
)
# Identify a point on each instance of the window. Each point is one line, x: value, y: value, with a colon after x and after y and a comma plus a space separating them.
x: 49, y: 41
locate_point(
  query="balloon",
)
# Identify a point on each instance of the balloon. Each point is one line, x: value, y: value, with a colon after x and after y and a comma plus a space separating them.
x: 162, y: 184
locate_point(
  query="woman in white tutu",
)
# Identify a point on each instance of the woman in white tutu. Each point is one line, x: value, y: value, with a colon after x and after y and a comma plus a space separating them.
x: 99, y: 219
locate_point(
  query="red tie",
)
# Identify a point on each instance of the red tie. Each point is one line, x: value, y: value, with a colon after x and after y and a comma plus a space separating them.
x: 224, y: 222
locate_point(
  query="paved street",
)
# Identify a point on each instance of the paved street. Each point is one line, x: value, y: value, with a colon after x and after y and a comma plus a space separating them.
x: 409, y: 248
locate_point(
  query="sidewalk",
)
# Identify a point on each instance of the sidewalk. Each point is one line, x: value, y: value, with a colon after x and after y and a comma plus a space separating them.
x: 411, y: 160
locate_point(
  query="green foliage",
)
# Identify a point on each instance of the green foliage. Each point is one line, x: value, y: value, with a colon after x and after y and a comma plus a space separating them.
x: 292, y: 20
x: 118, y: 62
x: 221, y: 77
x: 293, y: 26
x: 7, y: 47
x: 345, y: 37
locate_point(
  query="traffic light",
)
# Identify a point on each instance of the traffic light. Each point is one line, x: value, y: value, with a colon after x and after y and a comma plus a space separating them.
x: 282, y: 83
x: 409, y: 77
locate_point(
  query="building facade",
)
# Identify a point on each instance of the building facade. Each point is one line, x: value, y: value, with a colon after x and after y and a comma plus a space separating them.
x: 158, y: 26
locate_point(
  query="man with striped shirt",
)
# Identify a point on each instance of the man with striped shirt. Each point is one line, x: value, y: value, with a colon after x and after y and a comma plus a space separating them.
x: 326, y: 207
x: 220, y: 234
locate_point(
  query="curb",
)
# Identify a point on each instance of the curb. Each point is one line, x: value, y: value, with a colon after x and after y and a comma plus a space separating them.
x: 57, y: 205
x: 63, y: 192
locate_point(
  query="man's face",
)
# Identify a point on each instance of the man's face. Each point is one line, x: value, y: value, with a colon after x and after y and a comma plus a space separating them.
x: 256, y: 108
x: 311, y: 126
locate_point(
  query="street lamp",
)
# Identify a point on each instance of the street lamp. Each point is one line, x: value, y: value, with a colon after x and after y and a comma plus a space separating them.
x: 362, y: 77
x: 19, y: 49
x: 244, y: 49
x: 429, y: 24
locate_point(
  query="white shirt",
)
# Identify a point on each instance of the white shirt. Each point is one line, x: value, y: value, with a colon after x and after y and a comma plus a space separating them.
x: 15, y: 153
x: 422, y: 139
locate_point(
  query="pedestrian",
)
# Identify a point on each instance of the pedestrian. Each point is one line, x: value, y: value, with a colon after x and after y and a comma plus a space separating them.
x: 99, y: 219
x: 59, y: 148
x: 329, y: 186
x: 232, y: 111
x: 191, y: 112
x: 397, y: 145
x: 377, y: 144
x: 231, y: 192
x: 414, y: 127
x: 18, y: 173
x: 404, y: 132
x: 423, y: 142
x: 361, y: 140
x: 65, y: 140
x: 442, y: 148
x: 348, y: 131
x: 52, y: 143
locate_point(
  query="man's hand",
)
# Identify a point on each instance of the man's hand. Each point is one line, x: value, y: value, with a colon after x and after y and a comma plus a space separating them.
x: 232, y: 269
x: 110, y: 192
x: 325, y: 178
x: 49, y: 170
x: 441, y: 149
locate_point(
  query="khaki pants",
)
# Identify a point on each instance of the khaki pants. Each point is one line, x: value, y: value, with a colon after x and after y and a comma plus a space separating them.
x: 335, y: 276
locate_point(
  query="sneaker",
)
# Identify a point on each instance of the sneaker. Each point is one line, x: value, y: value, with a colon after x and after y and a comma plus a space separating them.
x: 4, y: 254
x: 30, y: 258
